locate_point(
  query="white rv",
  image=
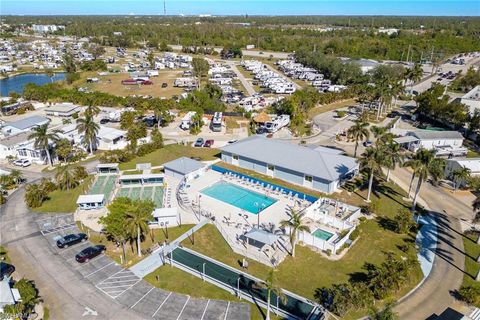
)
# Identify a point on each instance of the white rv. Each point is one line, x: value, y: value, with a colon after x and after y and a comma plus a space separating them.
x: 187, y: 120
x: 216, y: 123
x: 277, y: 123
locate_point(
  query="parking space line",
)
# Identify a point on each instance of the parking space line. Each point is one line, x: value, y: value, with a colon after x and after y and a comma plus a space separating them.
x: 181, y: 311
x: 119, y: 286
x: 88, y: 275
x: 129, y: 276
x: 226, y: 312
x: 161, y: 305
x: 142, y: 298
x: 128, y: 288
x: 205, y: 310
x: 114, y: 280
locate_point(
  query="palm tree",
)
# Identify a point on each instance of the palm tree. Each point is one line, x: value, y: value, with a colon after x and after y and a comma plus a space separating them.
x: 460, y: 175
x: 137, y: 221
x: 34, y: 195
x: 412, y: 163
x: 386, y: 314
x: 359, y: 131
x: 270, y: 284
x: 414, y: 74
x: 92, y: 110
x: 371, y: 162
x: 16, y: 175
x: 392, y: 157
x: 89, y: 128
x: 43, y: 138
x: 427, y: 166
x: 295, y: 224
x: 66, y: 177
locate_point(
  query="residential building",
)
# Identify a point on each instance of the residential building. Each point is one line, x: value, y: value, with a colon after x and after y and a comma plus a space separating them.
x: 472, y: 100
x: 24, y: 125
x: 303, y: 166
x: 446, y: 143
x: 91, y: 201
x: 472, y: 164
x: 19, y: 146
x: 62, y: 110
x: 8, y: 295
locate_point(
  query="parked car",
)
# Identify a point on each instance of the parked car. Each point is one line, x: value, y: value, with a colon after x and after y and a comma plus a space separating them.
x: 22, y: 162
x: 368, y: 143
x: 147, y: 83
x: 199, y: 142
x: 6, y: 270
x: 89, y: 253
x: 104, y: 120
x: 232, y: 141
x: 71, y: 239
x: 208, y: 143
x: 164, y: 85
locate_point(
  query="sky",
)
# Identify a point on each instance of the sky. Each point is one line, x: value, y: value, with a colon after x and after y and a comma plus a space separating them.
x: 237, y: 7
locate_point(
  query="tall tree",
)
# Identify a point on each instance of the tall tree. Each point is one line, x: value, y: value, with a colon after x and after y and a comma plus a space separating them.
x: 371, y: 162
x: 270, y: 284
x: 414, y: 74
x: 43, y: 137
x: 460, y: 175
x: 137, y: 217
x: 295, y: 224
x: 392, y: 157
x: 200, y: 69
x: 89, y: 128
x: 358, y: 132
x: 428, y: 165
x: 66, y: 178
x: 114, y: 222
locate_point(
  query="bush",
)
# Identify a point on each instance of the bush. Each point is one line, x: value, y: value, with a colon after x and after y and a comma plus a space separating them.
x: 362, y: 219
x: 116, y: 156
x: 469, y: 294
x: 328, y: 252
x: 354, y: 235
x: 341, y: 114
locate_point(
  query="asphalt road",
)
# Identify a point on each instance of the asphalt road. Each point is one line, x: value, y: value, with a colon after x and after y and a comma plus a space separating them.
x: 248, y: 86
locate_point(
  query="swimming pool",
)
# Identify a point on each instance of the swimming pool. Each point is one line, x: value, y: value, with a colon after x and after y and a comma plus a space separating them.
x: 239, y: 197
x: 322, y: 234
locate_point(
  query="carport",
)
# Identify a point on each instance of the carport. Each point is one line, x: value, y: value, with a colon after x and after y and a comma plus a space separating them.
x: 259, y: 238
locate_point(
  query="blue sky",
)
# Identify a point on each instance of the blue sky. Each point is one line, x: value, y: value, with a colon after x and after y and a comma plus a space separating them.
x: 237, y: 7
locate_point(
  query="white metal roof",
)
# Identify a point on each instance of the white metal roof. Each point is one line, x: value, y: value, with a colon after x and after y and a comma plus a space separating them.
x: 471, y: 163
x: 165, y: 212
x: 141, y: 176
x: 405, y: 139
x: 90, y: 198
x: 262, y: 236
x: 184, y: 165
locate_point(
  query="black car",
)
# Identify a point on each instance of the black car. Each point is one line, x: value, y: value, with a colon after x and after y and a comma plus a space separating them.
x: 71, y: 239
x: 91, y: 252
x: 6, y: 270
x: 164, y: 85
x: 104, y: 120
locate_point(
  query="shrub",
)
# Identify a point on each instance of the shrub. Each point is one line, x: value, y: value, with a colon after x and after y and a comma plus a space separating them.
x: 354, y: 235
x: 469, y: 294
x: 341, y: 113
x: 328, y: 252
x: 362, y: 219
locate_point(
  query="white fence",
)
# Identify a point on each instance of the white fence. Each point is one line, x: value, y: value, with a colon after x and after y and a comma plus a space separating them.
x: 309, y: 239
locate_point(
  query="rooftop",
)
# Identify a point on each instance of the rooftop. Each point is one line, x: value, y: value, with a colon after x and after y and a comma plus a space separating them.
x: 473, y: 94
x: 62, y: 107
x: 90, y: 198
x: 184, y: 165
x: 433, y: 135
x: 301, y: 159
x: 28, y: 122
x: 14, y: 140
x: 471, y: 163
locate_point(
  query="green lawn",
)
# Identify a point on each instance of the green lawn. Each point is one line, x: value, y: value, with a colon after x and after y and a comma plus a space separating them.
x: 174, y: 279
x: 472, y: 154
x: 329, y: 107
x: 169, y: 153
x: 472, y: 250
x: 131, y: 250
x: 4, y: 255
x: 309, y: 270
x: 60, y: 201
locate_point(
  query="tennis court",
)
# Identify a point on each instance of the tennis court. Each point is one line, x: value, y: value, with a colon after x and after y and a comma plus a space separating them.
x: 145, y: 193
x: 243, y: 284
x: 104, y: 185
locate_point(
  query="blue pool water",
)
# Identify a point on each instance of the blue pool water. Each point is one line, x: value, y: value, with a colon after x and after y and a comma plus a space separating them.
x: 322, y: 234
x: 17, y: 83
x: 239, y: 197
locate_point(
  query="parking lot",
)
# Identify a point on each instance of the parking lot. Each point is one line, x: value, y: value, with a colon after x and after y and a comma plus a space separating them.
x: 129, y: 290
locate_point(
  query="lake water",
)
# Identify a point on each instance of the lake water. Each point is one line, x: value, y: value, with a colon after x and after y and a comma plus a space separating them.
x: 17, y: 83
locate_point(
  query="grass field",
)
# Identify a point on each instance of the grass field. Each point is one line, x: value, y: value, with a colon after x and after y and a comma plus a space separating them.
x: 112, y: 84
x: 4, y: 255
x: 61, y: 201
x: 472, y: 251
x: 174, y: 279
x: 159, y: 235
x: 329, y: 107
x: 169, y: 153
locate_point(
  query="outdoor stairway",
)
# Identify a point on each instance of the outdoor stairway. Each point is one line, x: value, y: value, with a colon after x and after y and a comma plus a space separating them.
x: 475, y: 314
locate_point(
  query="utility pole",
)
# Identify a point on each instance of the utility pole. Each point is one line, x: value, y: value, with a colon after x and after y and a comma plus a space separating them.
x: 408, y: 53
x: 431, y: 57
x: 164, y: 8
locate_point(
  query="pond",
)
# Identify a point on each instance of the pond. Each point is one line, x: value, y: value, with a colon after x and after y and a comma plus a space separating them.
x: 17, y: 83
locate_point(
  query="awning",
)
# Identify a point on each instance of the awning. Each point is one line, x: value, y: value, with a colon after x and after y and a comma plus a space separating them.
x: 107, y: 165
x: 90, y: 198
x: 261, y: 236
